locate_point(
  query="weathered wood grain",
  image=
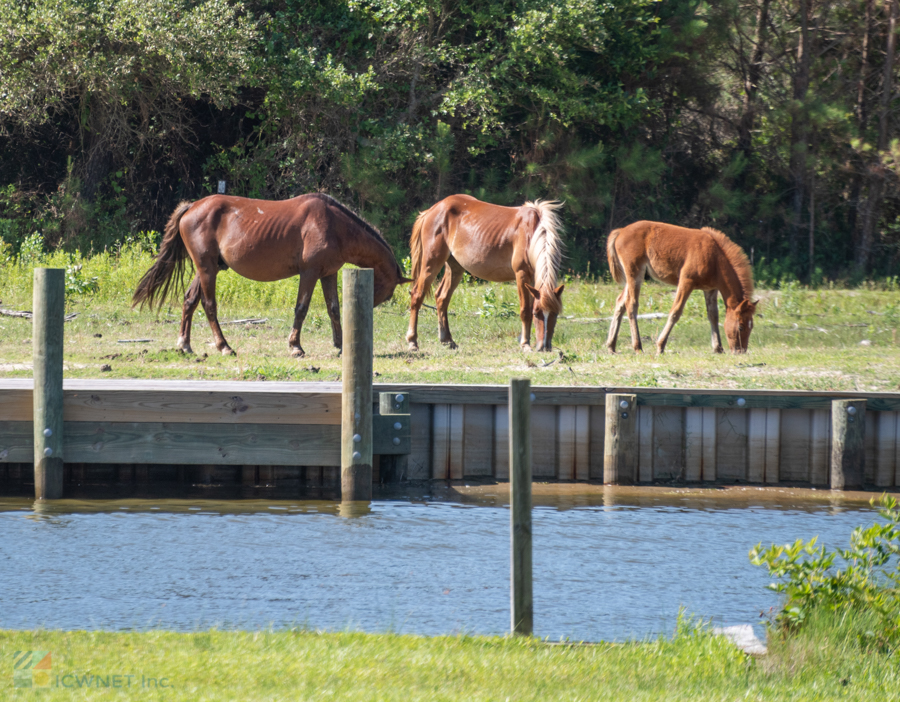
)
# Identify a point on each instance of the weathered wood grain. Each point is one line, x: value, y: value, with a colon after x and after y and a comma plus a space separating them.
x: 756, y: 445
x: 597, y: 437
x: 668, y: 431
x: 796, y: 449
x: 420, y: 442
x: 478, y: 447
x: 440, y: 433
x: 820, y: 448
x: 886, y: 449
x: 773, y: 445
x: 47, y: 342
x: 543, y: 441
x: 457, y: 441
x: 520, y: 461
x: 620, y: 444
x: 501, y: 442
x: 566, y: 435
x: 731, y: 445
x: 848, y: 454
x: 693, y: 444
x: 582, y: 442
x: 645, y: 444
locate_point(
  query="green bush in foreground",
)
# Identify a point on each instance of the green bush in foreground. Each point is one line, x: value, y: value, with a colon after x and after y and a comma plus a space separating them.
x: 858, y: 584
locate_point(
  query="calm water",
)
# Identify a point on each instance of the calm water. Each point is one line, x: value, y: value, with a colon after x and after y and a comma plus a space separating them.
x: 604, y: 568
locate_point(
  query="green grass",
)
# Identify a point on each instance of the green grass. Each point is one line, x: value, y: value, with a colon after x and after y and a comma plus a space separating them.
x: 803, y: 339
x: 824, y: 662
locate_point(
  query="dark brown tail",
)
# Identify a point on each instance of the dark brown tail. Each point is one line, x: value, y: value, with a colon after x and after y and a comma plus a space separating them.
x: 157, y: 283
x: 615, y: 266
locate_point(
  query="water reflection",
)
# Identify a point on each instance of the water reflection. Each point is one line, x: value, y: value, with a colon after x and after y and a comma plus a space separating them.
x: 608, y: 563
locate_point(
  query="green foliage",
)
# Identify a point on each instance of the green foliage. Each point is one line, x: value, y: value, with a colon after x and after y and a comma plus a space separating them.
x: 490, y: 307
x: 864, y: 577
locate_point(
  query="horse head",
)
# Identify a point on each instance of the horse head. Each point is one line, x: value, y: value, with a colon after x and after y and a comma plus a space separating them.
x: 547, y: 306
x: 386, y: 283
x: 739, y: 324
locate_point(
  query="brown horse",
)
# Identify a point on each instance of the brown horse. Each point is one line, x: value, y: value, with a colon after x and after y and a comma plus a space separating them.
x: 494, y: 243
x: 310, y: 235
x: 691, y: 259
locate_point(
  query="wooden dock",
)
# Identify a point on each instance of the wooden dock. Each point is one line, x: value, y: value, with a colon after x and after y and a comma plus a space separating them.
x: 453, y: 432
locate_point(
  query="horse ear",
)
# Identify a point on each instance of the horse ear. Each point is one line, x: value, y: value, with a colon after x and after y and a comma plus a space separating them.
x: 534, y: 291
x: 559, y: 290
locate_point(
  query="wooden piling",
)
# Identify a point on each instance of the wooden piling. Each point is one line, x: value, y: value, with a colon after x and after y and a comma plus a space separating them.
x: 620, y: 445
x: 848, y: 451
x: 356, y: 400
x: 47, y: 341
x: 394, y: 469
x: 521, y: 601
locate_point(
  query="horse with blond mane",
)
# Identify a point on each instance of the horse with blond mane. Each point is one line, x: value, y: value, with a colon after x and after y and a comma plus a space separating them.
x: 495, y: 243
x: 691, y: 259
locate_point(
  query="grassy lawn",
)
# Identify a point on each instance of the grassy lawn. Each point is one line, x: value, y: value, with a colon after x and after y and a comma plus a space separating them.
x: 287, y: 665
x: 824, y: 339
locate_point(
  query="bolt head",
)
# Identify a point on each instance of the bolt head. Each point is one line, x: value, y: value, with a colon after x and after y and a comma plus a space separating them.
x: 48, y: 432
x: 48, y: 451
x: 741, y: 402
x: 396, y: 441
x: 623, y: 404
x: 624, y: 415
x: 851, y: 410
x: 356, y: 438
x: 356, y: 455
x: 398, y: 426
x: 533, y: 397
x: 399, y: 398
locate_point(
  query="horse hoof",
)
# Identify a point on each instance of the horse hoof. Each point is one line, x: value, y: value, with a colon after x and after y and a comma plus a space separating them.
x: 527, y: 347
x: 297, y: 352
x: 452, y: 345
x: 227, y: 351
x: 413, y: 346
x: 183, y: 346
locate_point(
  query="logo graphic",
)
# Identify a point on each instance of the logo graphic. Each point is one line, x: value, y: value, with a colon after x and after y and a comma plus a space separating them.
x: 31, y: 669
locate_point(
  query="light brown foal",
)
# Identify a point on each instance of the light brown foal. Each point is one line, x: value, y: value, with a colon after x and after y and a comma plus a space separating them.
x: 691, y: 259
x: 493, y: 243
x: 310, y: 235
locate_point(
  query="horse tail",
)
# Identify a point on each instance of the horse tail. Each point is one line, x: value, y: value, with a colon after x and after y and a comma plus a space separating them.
x: 416, y: 249
x: 545, y: 250
x: 615, y: 265
x: 156, y: 284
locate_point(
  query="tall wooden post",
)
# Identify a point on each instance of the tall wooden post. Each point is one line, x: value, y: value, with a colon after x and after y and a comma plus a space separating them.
x: 848, y: 444
x: 356, y: 400
x: 620, y: 443
x: 47, y: 340
x: 394, y: 468
x: 521, y: 601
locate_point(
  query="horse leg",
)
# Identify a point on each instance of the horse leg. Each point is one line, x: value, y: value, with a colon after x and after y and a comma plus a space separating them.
x: 449, y: 282
x: 191, y: 300
x: 207, y: 276
x: 417, y: 296
x: 712, y: 313
x: 632, y: 297
x: 618, y: 313
x: 304, y: 295
x: 526, y: 309
x: 682, y: 293
x: 333, y: 305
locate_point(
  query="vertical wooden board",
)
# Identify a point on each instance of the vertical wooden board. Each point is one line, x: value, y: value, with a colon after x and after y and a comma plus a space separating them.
x: 440, y: 445
x: 709, y: 443
x: 313, y: 476
x: 331, y: 476
x: 897, y: 454
x: 582, y: 442
x: 871, y: 440
x: 693, y: 444
x: 566, y: 433
x: 479, y: 444
x: 756, y: 445
x: 543, y: 441
x: 773, y: 445
x: 819, y: 448
x: 886, y: 448
x: 420, y: 442
x: 457, y: 441
x: 501, y: 442
x: 645, y: 444
x: 267, y: 475
x: 731, y: 445
x: 597, y: 421
x: 668, y: 439
x: 796, y: 445
x: 248, y: 475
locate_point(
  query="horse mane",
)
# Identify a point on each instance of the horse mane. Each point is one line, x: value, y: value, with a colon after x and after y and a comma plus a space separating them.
x: 545, y: 250
x: 369, y: 228
x: 737, y: 258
